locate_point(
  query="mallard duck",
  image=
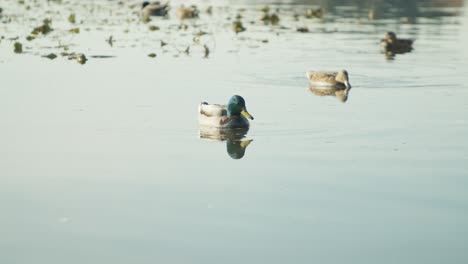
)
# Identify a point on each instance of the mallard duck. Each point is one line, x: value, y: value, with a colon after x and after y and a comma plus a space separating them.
x: 187, y: 12
x: 232, y: 115
x: 154, y: 9
x: 390, y: 43
x: 329, y: 79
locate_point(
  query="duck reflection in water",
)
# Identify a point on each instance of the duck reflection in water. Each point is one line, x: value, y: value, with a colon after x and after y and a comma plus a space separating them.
x: 340, y: 92
x: 235, y: 142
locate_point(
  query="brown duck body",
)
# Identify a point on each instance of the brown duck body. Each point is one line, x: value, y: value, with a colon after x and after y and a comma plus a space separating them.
x: 215, y: 115
x: 329, y: 79
x: 187, y: 12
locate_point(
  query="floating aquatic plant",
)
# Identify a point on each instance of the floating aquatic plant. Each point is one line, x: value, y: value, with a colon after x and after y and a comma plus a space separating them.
x: 318, y: 13
x: 238, y: 27
x: 209, y: 10
x: 110, y: 40
x: 267, y: 18
x: 274, y: 19
x: 207, y: 50
x: 50, y: 56
x: 146, y: 19
x: 18, y: 47
x: 196, y: 39
x: 183, y: 26
x: 152, y: 55
x: 74, y: 30
x: 153, y: 28
x: 303, y: 29
x: 43, y: 29
x: 79, y: 57
x: 72, y: 18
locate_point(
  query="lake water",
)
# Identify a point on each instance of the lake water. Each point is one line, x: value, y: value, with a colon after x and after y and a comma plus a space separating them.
x: 103, y: 162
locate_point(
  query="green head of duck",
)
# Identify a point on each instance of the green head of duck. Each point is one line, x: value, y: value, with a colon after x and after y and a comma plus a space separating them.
x: 236, y: 107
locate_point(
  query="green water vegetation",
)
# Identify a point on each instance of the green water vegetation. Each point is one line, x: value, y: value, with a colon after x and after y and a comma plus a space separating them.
x: 238, y: 27
x: 268, y: 18
x: 317, y: 13
x: 274, y: 19
x: 153, y: 28
x: 43, y: 29
x: 183, y: 26
x: 177, y: 31
x: 207, y: 51
x: 72, y: 18
x: 198, y: 36
x: 18, y: 47
x: 50, y: 56
x: 152, y: 55
x: 209, y: 10
x: 110, y: 41
x: 74, y: 30
x: 146, y: 19
x: 79, y: 57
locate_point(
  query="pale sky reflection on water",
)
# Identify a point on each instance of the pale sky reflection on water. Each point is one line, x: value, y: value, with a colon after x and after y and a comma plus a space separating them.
x: 103, y: 163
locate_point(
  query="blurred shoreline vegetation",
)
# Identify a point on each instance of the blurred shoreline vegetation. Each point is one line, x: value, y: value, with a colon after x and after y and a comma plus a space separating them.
x: 52, y: 23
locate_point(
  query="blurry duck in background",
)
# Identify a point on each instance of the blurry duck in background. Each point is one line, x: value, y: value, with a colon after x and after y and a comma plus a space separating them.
x: 232, y: 115
x: 329, y: 79
x: 187, y: 12
x: 154, y: 9
x: 392, y: 45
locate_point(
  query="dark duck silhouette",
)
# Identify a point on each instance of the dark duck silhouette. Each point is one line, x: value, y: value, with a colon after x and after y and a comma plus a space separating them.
x: 154, y: 9
x: 393, y: 45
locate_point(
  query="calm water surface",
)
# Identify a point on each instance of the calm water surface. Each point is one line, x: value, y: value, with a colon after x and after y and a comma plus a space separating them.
x: 103, y: 162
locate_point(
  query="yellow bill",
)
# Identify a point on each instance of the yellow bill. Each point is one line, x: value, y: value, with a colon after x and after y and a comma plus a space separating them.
x: 245, y: 143
x: 246, y: 114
